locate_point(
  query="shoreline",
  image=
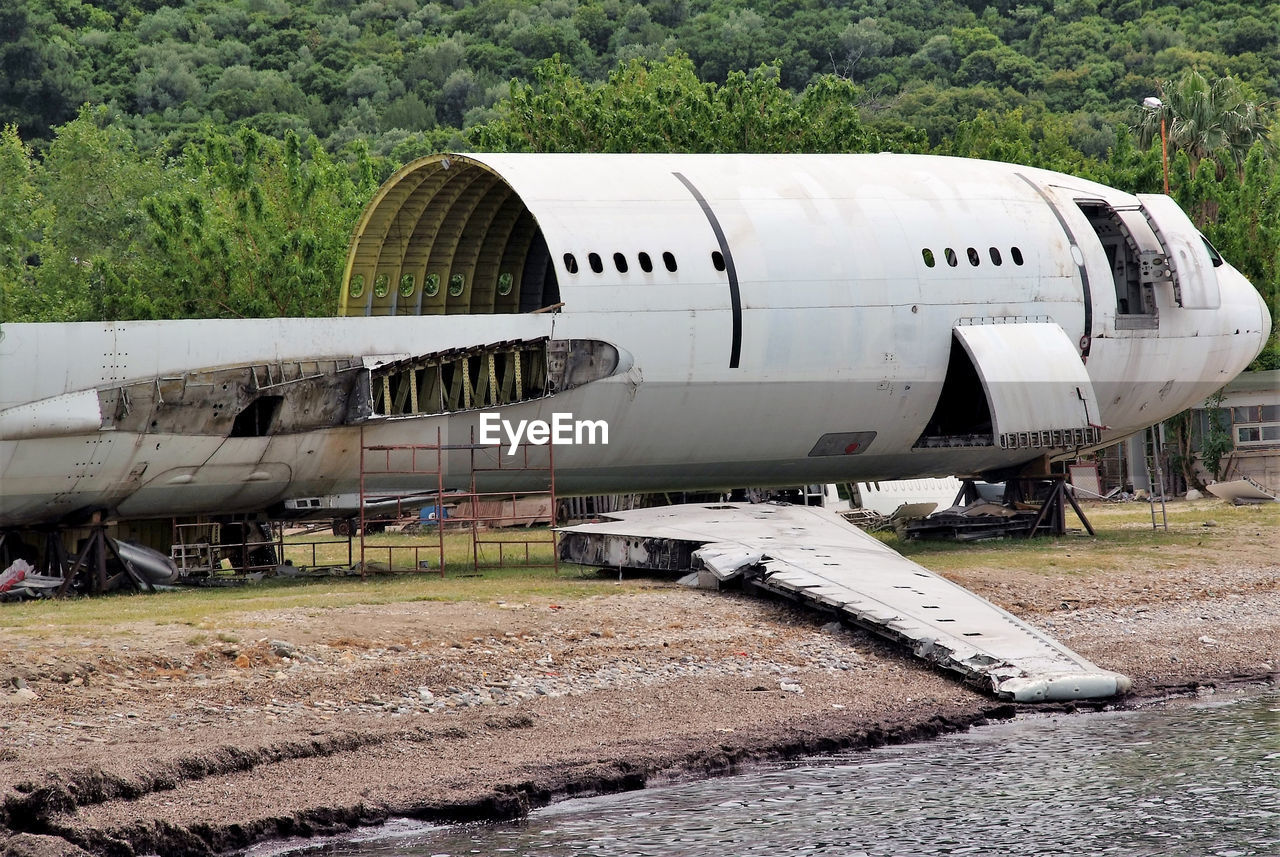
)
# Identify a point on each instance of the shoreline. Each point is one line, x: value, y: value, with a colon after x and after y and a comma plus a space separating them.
x: 1233, y: 689
x: 38, y: 825
x: 527, y: 801
x: 180, y: 730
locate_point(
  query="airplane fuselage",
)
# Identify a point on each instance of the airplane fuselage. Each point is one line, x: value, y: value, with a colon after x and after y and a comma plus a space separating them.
x: 748, y: 320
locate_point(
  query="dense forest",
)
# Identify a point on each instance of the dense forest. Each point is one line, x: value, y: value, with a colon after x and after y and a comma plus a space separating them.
x: 163, y: 158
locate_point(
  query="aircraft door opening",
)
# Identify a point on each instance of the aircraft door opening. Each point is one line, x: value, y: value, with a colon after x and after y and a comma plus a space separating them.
x: 1137, y: 260
x: 1019, y: 385
x: 962, y: 416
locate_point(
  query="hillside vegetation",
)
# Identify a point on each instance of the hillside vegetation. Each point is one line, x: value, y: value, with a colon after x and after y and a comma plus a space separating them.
x: 210, y: 157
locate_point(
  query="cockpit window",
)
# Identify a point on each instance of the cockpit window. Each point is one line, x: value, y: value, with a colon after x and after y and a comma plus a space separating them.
x: 1214, y: 255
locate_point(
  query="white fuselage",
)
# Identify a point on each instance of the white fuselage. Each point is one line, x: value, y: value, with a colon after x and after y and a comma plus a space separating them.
x: 841, y: 328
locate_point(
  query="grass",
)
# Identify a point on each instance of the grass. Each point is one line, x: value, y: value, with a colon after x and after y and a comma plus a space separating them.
x: 404, y: 551
x: 209, y: 610
x: 1124, y: 536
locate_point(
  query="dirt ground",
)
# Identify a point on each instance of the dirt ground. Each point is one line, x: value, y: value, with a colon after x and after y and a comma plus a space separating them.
x: 138, y: 737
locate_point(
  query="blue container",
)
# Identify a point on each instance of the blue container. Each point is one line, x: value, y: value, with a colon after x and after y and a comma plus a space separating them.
x: 431, y: 514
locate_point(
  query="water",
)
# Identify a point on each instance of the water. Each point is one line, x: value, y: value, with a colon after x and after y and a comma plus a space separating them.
x: 1188, y: 777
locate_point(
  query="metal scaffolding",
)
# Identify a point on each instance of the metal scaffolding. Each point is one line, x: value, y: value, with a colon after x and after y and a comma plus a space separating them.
x: 503, y: 525
x: 508, y: 521
x: 421, y: 468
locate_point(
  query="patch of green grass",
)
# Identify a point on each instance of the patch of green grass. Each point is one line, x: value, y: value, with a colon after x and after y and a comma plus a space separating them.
x: 217, y: 608
x: 1124, y: 536
x: 405, y: 552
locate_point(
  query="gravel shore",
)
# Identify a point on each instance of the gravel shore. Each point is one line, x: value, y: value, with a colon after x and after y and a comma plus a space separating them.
x: 306, y: 722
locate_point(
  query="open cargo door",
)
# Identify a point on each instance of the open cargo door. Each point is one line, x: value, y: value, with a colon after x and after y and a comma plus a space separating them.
x: 1037, y: 389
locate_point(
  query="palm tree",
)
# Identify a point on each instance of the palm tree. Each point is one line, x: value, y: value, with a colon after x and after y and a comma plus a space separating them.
x: 1206, y: 119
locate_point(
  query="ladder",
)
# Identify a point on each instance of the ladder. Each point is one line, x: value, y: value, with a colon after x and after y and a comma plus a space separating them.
x: 1155, y: 476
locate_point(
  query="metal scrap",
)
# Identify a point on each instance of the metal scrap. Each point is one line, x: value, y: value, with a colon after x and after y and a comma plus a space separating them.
x: 1242, y: 492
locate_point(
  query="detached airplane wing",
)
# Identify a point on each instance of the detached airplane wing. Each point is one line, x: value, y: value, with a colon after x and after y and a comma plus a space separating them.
x: 814, y: 556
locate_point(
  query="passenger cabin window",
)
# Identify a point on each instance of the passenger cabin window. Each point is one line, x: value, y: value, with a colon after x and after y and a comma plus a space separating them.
x: 717, y: 259
x: 995, y: 257
x: 952, y: 259
x: 570, y: 263
x: 927, y: 255
x: 669, y: 260
x: 1016, y: 255
x: 973, y: 256
x: 620, y: 262
x: 646, y: 264
x: 593, y: 259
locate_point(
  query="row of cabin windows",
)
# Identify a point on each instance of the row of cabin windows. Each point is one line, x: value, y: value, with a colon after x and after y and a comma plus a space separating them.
x: 975, y: 258
x: 430, y: 288
x: 646, y: 263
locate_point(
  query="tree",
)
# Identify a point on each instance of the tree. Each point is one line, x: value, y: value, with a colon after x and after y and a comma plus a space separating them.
x: 724, y: 41
x: 259, y: 228
x: 1217, y: 440
x: 663, y: 107
x: 92, y: 183
x: 20, y: 204
x: 41, y: 84
x: 1204, y: 119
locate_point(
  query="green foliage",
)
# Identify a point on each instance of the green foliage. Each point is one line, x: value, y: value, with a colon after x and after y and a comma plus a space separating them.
x: 230, y: 144
x: 88, y: 191
x: 256, y: 229
x: 42, y: 80
x: 242, y: 225
x: 1181, y: 448
x: 319, y: 67
x: 20, y: 217
x: 1268, y: 359
x: 663, y: 106
x: 1015, y: 137
x: 1206, y: 118
x: 1217, y: 440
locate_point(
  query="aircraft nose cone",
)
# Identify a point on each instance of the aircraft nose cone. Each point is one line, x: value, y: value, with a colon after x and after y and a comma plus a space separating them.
x: 1265, y: 312
x: 1253, y: 311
